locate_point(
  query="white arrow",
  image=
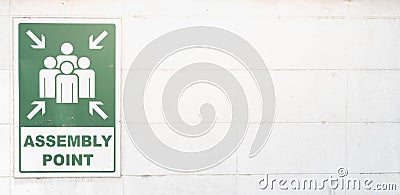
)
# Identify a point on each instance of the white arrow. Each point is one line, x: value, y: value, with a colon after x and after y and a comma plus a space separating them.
x: 93, y: 105
x: 40, y: 44
x: 41, y: 105
x: 94, y: 44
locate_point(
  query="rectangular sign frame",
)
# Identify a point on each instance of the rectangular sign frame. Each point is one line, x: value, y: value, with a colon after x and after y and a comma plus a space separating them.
x: 116, y: 172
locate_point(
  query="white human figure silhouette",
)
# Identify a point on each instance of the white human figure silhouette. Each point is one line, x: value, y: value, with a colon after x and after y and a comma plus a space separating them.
x: 66, y: 50
x: 67, y: 85
x: 86, y: 78
x: 47, y: 78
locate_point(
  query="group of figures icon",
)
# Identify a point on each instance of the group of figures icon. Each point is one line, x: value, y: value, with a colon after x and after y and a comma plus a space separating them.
x: 66, y: 78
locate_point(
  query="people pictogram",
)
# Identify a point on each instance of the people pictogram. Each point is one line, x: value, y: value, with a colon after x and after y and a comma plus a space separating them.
x: 66, y: 78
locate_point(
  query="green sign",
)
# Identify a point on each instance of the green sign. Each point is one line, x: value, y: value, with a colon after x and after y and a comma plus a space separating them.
x: 67, y: 72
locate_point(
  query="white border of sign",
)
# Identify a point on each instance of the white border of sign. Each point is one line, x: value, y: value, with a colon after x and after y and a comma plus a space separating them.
x: 117, y: 22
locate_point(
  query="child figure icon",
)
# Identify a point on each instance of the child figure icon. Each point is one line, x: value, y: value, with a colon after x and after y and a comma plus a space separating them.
x: 66, y: 85
x: 66, y: 78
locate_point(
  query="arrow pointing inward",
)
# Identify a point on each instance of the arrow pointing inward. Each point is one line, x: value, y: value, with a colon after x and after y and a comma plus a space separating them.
x: 93, y: 44
x: 93, y: 106
x: 40, y: 44
x: 41, y: 105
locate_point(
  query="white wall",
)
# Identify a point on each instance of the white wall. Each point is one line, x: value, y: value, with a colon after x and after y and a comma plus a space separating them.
x: 336, y: 70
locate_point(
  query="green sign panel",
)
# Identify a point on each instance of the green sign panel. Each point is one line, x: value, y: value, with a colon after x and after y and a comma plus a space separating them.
x: 67, y: 72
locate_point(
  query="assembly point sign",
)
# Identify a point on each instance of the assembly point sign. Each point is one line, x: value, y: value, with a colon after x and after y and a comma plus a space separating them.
x: 67, y: 97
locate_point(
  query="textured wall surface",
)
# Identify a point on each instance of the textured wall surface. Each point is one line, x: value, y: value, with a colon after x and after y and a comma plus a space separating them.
x: 336, y: 70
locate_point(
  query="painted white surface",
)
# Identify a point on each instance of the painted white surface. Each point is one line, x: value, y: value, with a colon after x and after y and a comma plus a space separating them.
x: 335, y: 67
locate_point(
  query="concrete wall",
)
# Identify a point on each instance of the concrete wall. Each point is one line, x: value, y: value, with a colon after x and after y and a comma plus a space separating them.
x: 336, y: 70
